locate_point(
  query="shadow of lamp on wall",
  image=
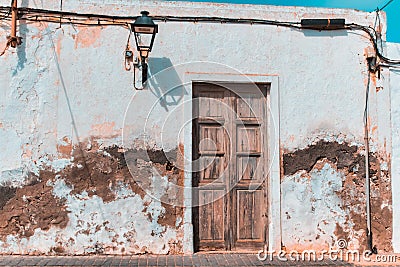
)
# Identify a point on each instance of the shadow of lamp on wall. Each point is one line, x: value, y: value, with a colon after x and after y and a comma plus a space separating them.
x: 144, y: 30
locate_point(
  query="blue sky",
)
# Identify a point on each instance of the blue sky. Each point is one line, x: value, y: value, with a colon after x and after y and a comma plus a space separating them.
x: 392, y: 10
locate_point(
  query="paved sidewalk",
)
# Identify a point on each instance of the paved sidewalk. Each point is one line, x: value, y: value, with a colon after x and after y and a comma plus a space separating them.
x: 199, y: 259
x: 148, y: 260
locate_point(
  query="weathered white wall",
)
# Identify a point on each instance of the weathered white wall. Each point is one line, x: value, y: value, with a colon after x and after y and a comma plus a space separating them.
x: 394, y: 52
x: 65, y: 92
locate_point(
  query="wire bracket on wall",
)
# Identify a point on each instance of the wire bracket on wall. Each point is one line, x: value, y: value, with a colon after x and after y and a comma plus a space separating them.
x: 131, y: 60
x: 128, y: 54
x: 372, y: 60
x: 13, y: 39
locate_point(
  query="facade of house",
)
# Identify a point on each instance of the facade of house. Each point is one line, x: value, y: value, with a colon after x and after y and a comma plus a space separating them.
x: 246, y: 135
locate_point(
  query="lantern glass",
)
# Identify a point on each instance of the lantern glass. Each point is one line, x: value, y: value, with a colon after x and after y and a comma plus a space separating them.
x: 144, y: 41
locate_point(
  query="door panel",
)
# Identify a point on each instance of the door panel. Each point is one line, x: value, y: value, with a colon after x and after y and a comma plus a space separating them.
x: 249, y: 225
x: 211, y: 103
x: 248, y: 139
x: 247, y: 168
x: 210, y: 159
x: 211, y: 219
x: 211, y: 168
x: 229, y: 155
x: 211, y: 139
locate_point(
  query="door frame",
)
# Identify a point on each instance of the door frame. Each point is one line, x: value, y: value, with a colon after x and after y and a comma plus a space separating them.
x: 274, y: 155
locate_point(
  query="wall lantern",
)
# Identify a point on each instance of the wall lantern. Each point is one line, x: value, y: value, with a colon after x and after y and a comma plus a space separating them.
x: 145, y: 31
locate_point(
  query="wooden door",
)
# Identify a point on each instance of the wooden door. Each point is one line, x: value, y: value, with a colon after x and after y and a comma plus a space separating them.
x: 230, y: 164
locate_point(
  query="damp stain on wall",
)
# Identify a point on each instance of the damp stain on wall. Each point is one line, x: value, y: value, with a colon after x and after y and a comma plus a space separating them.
x: 86, y: 204
x: 33, y: 206
x: 339, y: 169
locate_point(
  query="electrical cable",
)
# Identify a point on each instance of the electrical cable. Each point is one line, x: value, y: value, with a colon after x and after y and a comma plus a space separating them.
x: 388, y: 66
x: 61, y: 9
x: 127, y: 48
x: 388, y: 3
x: 71, y: 17
x: 86, y: 19
x: 9, y: 11
x: 371, y: 247
x: 126, y: 61
x: 8, y: 44
x: 5, y: 48
x: 378, y: 36
x: 372, y: 33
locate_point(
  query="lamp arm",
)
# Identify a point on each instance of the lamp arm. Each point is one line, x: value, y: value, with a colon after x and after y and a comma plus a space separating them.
x: 144, y: 71
x: 134, y: 80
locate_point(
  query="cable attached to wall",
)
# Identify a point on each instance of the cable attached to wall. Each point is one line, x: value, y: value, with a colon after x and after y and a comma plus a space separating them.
x: 128, y: 55
x: 382, y: 8
x: 9, y: 38
x: 61, y: 9
x: 371, y: 247
x: 62, y: 17
x: 6, y: 15
x: 367, y: 179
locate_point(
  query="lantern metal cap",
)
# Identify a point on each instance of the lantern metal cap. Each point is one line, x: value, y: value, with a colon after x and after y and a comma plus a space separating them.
x: 145, y: 21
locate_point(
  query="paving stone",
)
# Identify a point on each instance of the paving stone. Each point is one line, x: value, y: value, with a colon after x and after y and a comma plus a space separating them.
x: 161, y: 261
x: 142, y: 261
x: 196, y: 260
x: 133, y: 261
x: 152, y: 261
x: 200, y: 259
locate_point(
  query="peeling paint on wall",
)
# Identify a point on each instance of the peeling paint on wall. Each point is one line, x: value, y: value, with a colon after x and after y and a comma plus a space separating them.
x: 87, y: 37
x: 31, y: 207
x: 94, y: 206
x: 323, y: 186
